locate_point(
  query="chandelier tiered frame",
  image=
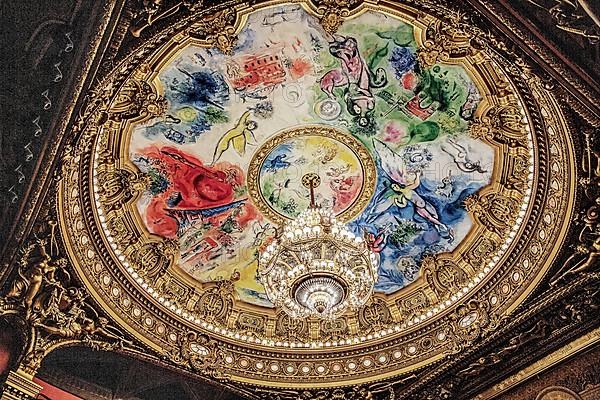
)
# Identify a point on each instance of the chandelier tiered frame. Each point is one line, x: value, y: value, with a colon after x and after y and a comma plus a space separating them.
x: 317, y: 267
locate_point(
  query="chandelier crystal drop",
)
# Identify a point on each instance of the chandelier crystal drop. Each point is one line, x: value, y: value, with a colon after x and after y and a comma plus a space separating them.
x: 315, y: 266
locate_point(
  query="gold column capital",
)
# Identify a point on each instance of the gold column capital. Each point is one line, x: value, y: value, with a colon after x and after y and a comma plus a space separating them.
x: 19, y: 385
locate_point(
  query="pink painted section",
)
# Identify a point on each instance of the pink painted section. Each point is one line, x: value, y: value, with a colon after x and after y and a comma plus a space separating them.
x: 54, y: 393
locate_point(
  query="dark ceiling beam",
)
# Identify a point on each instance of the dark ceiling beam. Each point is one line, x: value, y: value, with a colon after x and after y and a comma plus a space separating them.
x: 80, y: 28
x: 591, y: 104
x: 75, y: 385
x: 190, y: 391
x: 128, y: 387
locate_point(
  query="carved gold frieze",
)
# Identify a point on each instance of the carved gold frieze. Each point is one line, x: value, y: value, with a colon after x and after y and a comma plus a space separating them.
x: 217, y: 30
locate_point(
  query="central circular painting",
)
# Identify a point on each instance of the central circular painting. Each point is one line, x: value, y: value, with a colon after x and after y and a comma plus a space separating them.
x: 343, y: 164
x: 388, y: 137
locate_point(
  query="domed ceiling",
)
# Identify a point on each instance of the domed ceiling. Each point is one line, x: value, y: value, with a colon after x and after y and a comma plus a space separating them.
x: 389, y: 138
x: 428, y: 144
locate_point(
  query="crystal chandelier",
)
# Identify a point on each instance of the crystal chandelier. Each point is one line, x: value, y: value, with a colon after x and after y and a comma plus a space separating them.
x: 315, y: 266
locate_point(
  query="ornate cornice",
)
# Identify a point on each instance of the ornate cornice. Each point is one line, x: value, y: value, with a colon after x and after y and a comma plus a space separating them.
x: 552, y: 360
x: 580, y: 86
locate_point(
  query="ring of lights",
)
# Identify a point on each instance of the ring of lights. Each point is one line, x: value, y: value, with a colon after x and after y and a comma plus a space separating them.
x: 416, y: 326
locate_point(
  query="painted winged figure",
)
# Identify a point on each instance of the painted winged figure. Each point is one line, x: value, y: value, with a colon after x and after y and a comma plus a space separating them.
x: 402, y: 190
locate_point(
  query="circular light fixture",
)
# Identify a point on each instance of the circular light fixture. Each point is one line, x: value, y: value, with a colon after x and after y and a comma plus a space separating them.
x: 315, y: 266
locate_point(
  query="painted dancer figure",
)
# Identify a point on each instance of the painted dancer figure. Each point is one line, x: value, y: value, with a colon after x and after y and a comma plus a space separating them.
x: 460, y: 155
x: 238, y: 137
x: 402, y: 190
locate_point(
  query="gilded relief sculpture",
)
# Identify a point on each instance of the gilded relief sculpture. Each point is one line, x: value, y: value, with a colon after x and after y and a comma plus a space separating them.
x: 54, y: 312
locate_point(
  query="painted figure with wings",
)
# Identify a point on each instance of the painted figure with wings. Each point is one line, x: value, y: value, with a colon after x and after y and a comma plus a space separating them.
x: 402, y: 190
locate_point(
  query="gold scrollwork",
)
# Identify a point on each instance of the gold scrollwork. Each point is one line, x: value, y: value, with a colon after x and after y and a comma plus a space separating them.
x: 446, y: 40
x: 152, y: 11
x: 333, y: 12
x: 154, y: 258
x: 374, y: 315
x: 117, y: 187
x: 414, y: 305
x: 333, y: 329
x: 291, y: 328
x: 199, y: 353
x: 137, y: 100
x: 215, y: 303
x: 443, y: 276
x: 218, y: 30
x: 469, y: 321
x: 501, y: 124
x: 251, y: 323
x: 495, y: 211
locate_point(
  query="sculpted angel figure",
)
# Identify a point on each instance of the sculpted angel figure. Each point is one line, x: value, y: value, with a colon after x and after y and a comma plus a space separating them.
x: 402, y: 190
x: 27, y: 287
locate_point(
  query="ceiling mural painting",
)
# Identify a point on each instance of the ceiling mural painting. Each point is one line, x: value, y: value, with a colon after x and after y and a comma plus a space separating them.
x: 429, y: 145
x: 402, y: 184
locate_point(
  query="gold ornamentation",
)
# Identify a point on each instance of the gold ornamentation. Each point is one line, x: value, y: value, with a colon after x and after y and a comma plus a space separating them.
x: 493, y: 210
x: 218, y: 30
x: 173, y: 290
x: 291, y: 328
x: 118, y: 187
x: 516, y: 170
x: 415, y: 304
x: 27, y: 288
x: 122, y: 228
x: 200, y: 354
x: 55, y: 312
x: 576, y: 17
x: 19, y: 385
x: 333, y: 12
x: 335, y: 329
x: 469, y: 321
x: 446, y: 40
x: 443, y: 276
x: 503, y: 125
x: 374, y: 315
x: 481, y: 251
x: 251, y: 323
x: 375, y: 391
x: 215, y: 304
x: 155, y: 258
x: 152, y: 11
x: 137, y: 101
x: 589, y: 234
